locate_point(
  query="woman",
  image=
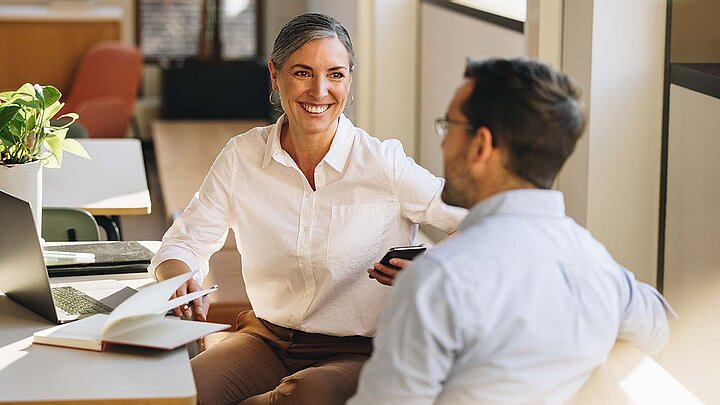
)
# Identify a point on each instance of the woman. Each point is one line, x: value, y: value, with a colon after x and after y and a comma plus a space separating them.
x: 313, y: 201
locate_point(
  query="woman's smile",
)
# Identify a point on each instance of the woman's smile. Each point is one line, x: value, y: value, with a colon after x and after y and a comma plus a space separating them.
x: 314, y: 84
x: 315, y: 109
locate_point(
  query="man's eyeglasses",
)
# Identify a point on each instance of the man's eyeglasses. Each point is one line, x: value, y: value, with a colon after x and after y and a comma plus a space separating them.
x: 442, y: 126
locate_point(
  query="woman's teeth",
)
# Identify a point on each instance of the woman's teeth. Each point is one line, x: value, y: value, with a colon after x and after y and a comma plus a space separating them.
x: 315, y: 109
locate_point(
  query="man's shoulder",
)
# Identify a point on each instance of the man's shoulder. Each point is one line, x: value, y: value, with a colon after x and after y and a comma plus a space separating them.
x: 499, y: 244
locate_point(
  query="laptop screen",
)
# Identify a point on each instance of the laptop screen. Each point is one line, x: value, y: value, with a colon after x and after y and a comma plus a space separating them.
x: 23, y: 276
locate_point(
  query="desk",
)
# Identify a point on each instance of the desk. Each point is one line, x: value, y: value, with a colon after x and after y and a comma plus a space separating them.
x: 34, y: 374
x: 185, y: 151
x: 112, y: 183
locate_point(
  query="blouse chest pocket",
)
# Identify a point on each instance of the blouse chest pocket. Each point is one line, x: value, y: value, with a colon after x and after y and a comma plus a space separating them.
x: 356, y: 232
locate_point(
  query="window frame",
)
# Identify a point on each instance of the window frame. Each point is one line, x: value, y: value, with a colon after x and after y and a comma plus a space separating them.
x: 259, y: 36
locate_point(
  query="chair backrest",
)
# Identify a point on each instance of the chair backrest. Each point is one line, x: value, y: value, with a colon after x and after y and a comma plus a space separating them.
x: 68, y: 225
x: 105, y: 88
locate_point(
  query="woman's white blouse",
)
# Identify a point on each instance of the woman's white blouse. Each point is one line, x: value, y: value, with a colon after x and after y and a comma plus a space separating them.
x: 304, y: 252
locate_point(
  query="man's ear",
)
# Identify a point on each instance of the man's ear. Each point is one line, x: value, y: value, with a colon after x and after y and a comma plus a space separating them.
x: 480, y: 148
x: 273, y: 75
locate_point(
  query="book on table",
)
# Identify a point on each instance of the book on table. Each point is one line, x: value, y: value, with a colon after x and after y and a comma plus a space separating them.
x: 81, y: 259
x: 138, y: 321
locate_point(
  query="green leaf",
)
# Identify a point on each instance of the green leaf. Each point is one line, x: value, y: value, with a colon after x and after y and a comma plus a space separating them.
x: 55, y: 145
x: 34, y: 104
x: 7, y: 95
x: 52, y: 110
x: 51, y: 95
x: 15, y: 128
x: 6, y: 138
x: 72, y: 117
x: 60, y: 133
x: 26, y: 88
x: 31, y: 122
x: 74, y: 147
x: 51, y: 162
x: 39, y: 94
x: 7, y: 113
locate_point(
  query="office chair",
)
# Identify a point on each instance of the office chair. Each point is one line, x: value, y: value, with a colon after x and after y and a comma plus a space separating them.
x: 104, y: 89
x: 68, y: 225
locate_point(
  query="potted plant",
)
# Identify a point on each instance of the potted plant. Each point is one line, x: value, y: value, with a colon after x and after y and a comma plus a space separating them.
x: 29, y: 141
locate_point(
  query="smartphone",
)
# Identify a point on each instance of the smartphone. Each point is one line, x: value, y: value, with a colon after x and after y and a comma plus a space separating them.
x: 402, y: 252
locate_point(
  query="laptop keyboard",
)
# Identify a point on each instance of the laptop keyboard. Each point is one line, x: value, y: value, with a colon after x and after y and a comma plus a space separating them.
x: 75, y: 302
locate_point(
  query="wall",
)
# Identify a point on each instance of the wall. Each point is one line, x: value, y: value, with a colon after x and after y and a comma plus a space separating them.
x: 692, y: 259
x: 386, y: 46
x: 447, y: 38
x: 612, y: 182
x: 277, y: 13
x: 695, y: 36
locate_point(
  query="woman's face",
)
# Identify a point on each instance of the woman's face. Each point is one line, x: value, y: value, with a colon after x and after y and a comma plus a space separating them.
x: 314, y: 84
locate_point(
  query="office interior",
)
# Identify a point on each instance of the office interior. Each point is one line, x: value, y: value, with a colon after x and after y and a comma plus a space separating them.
x: 642, y: 178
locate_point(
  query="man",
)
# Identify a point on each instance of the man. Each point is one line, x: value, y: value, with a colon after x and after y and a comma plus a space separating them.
x: 523, y: 303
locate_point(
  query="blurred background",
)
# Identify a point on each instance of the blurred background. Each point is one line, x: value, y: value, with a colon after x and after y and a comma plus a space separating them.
x: 642, y: 178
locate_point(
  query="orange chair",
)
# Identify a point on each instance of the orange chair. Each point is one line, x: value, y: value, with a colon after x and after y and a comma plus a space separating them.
x: 105, y: 87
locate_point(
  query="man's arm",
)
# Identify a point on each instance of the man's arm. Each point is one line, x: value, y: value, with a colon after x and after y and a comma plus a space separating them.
x: 417, y: 340
x: 645, y: 317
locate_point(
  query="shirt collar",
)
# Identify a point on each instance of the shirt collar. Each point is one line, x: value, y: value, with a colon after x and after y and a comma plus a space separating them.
x: 336, y: 157
x: 273, y: 141
x: 526, y: 202
x: 339, y: 151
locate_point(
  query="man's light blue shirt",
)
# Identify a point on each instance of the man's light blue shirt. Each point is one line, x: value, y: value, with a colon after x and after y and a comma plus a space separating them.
x: 518, y: 308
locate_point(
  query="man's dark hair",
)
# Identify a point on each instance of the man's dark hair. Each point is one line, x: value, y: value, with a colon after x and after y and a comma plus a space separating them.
x: 532, y: 110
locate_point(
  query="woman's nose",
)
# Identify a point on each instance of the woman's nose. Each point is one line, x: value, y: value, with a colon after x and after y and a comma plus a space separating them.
x: 319, y: 87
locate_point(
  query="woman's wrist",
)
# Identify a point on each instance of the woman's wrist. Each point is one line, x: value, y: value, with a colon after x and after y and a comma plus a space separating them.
x: 171, y: 268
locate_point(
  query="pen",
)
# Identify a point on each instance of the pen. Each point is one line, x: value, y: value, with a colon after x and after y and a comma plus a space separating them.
x: 192, y: 303
x: 69, y: 255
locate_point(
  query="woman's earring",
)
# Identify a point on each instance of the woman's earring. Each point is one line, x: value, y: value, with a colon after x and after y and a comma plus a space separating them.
x: 352, y: 100
x: 274, y: 102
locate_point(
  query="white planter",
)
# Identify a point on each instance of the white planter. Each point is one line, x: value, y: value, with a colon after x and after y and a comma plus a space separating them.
x: 25, y: 182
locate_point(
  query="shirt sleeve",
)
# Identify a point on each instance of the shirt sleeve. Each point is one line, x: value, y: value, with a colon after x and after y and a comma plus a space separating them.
x: 202, y: 227
x: 419, y: 192
x: 644, y: 320
x: 417, y: 340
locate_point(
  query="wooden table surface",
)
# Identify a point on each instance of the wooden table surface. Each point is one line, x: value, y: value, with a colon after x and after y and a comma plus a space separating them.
x: 113, y: 182
x: 39, y: 374
x: 185, y: 151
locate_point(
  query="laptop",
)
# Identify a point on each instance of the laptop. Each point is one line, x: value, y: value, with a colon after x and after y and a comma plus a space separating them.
x: 24, y: 277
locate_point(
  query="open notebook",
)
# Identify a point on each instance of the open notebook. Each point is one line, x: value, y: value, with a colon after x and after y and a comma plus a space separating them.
x: 138, y: 321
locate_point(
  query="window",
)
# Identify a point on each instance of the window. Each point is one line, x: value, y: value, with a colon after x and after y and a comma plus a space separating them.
x: 513, y: 9
x: 171, y: 29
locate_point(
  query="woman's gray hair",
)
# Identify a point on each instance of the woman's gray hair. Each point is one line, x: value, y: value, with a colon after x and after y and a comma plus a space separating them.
x: 305, y: 28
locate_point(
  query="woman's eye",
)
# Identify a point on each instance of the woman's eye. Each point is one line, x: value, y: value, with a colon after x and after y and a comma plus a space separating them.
x: 302, y: 73
x: 337, y: 75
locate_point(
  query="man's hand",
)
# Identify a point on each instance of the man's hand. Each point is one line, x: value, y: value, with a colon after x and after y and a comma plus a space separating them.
x: 199, y: 308
x: 385, y: 274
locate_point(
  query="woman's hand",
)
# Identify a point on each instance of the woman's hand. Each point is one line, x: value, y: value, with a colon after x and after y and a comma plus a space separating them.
x: 198, y: 308
x: 385, y: 274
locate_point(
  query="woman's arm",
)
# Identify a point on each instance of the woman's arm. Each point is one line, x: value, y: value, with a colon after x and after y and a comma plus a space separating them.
x: 198, y: 233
